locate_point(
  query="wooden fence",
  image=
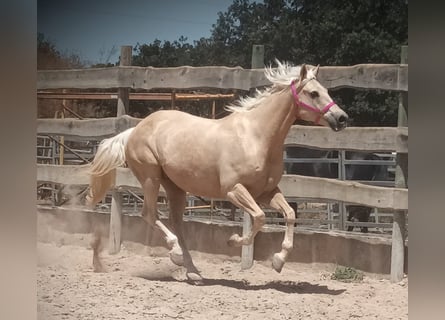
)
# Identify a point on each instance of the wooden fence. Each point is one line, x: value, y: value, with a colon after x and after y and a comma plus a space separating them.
x: 369, y: 76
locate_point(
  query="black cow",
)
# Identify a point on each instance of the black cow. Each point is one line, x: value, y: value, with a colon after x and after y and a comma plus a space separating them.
x: 330, y: 170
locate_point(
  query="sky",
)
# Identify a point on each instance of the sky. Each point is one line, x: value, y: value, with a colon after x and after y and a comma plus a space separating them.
x: 92, y: 28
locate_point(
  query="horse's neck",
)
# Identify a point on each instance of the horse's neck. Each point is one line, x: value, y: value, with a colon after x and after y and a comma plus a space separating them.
x: 274, y: 117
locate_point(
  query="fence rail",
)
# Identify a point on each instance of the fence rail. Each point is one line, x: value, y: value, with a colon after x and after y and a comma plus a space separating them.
x: 291, y: 185
x: 353, y: 138
x: 368, y: 76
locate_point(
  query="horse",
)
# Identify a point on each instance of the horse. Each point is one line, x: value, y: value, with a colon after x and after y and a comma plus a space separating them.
x: 238, y: 158
x: 366, y: 172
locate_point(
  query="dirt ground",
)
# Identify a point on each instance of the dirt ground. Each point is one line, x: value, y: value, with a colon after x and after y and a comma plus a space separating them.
x: 142, y: 283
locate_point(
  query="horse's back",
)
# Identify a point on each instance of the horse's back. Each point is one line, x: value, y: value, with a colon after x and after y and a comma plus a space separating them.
x: 183, y: 146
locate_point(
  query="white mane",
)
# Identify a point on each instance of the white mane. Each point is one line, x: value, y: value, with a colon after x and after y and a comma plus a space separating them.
x: 283, y: 74
x: 280, y: 77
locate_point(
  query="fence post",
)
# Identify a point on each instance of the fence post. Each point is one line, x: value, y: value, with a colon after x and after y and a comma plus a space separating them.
x: 247, y: 250
x: 401, y: 181
x: 257, y: 61
x: 123, y: 94
x: 114, y: 241
x: 123, y: 102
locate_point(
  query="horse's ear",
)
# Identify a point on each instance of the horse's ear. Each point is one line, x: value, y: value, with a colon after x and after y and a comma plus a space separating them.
x: 303, y: 72
x: 316, y: 70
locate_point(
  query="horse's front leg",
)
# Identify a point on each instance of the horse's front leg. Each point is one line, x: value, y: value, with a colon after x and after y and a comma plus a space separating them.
x: 276, y: 200
x: 241, y: 197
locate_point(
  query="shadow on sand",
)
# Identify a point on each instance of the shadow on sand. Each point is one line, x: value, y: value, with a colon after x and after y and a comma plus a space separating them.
x: 282, y: 286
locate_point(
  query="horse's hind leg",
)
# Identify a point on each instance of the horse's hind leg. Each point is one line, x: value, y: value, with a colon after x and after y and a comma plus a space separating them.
x: 150, y: 215
x: 176, y: 200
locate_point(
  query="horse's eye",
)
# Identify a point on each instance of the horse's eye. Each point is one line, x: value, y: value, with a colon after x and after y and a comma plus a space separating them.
x: 314, y: 94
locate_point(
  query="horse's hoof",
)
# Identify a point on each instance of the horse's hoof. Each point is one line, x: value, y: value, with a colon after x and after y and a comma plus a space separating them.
x: 234, y: 241
x: 176, y: 257
x: 194, y: 278
x: 97, y: 265
x: 277, y: 262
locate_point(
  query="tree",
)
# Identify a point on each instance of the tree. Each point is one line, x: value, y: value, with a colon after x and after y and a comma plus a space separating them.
x: 47, y: 54
x: 163, y: 54
x: 48, y: 57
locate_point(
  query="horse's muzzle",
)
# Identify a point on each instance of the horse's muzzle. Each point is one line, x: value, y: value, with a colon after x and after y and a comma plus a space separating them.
x: 337, y: 120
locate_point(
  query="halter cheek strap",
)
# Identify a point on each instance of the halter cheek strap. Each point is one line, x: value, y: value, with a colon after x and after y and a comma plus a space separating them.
x: 299, y: 103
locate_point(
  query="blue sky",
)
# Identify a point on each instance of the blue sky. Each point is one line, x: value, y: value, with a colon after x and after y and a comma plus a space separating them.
x: 92, y: 28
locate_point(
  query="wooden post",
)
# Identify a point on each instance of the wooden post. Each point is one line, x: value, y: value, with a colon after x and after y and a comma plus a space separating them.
x: 247, y: 251
x: 114, y: 241
x: 257, y: 56
x: 401, y: 181
x: 123, y: 101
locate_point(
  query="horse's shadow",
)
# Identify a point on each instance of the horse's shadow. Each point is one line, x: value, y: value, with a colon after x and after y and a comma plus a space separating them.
x: 282, y: 286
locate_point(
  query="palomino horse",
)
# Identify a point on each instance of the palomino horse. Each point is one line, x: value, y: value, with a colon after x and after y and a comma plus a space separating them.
x: 239, y: 157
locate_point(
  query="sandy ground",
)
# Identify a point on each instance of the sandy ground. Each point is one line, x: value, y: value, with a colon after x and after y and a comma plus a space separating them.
x: 142, y: 283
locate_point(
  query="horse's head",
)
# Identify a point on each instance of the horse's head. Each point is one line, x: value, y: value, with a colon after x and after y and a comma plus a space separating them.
x: 314, y: 103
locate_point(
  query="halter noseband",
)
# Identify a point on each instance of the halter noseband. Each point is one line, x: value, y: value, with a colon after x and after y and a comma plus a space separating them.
x: 300, y: 103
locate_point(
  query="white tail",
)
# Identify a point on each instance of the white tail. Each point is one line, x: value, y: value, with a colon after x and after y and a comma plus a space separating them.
x: 109, y: 156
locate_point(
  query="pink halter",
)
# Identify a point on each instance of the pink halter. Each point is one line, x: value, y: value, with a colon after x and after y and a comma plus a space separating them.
x: 300, y: 103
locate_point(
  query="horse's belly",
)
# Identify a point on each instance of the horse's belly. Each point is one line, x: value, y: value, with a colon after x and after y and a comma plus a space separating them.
x: 198, y: 182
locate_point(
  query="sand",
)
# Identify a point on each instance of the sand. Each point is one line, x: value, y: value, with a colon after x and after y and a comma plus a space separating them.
x: 142, y: 283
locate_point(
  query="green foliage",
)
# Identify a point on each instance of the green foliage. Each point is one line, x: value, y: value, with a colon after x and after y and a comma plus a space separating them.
x: 158, y: 54
x: 327, y: 32
x: 347, y: 274
x: 336, y: 32
x: 48, y: 57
